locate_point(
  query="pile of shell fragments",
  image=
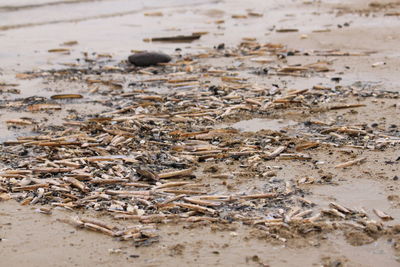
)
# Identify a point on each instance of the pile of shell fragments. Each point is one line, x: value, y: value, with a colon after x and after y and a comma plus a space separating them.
x: 165, y: 152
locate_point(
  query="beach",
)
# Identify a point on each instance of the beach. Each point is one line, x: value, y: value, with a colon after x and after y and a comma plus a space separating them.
x: 270, y: 139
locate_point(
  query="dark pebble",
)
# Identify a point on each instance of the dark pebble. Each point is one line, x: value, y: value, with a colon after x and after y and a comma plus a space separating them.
x: 281, y: 56
x: 336, y: 79
x: 221, y: 46
x: 134, y: 256
x: 145, y: 59
x: 396, y: 178
x: 213, y: 89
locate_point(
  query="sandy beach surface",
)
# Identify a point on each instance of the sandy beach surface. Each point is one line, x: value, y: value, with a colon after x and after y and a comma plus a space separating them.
x: 358, y: 40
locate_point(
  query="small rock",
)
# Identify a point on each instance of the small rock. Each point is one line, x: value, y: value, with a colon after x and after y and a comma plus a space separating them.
x: 221, y: 46
x: 145, y: 59
x: 134, y: 256
x: 336, y: 79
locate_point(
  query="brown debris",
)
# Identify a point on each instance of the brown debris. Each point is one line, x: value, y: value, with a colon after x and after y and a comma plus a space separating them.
x: 146, y: 159
x: 174, y: 39
x: 351, y: 163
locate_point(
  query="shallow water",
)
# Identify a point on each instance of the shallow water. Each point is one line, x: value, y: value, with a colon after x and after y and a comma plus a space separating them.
x: 107, y: 26
x: 255, y: 125
x: 11, y: 131
x: 356, y: 193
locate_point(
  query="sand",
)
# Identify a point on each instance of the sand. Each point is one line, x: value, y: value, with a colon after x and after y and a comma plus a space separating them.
x: 28, y: 31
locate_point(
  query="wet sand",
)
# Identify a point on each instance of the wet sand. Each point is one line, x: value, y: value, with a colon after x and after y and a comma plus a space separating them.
x: 117, y: 27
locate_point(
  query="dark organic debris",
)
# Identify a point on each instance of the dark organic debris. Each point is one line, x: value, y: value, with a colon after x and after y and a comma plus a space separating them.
x: 174, y: 39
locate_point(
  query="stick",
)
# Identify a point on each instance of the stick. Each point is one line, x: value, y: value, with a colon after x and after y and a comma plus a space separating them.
x: 350, y: 163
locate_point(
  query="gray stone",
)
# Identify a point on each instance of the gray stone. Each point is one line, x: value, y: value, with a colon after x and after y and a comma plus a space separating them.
x: 144, y: 59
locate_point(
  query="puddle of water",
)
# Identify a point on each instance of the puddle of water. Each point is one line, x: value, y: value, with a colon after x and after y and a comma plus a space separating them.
x: 376, y: 253
x: 48, y: 13
x: 11, y: 132
x: 124, y: 20
x: 255, y: 125
x: 360, y: 193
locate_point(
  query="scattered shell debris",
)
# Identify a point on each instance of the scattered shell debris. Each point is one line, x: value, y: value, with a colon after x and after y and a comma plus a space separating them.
x: 161, y: 156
